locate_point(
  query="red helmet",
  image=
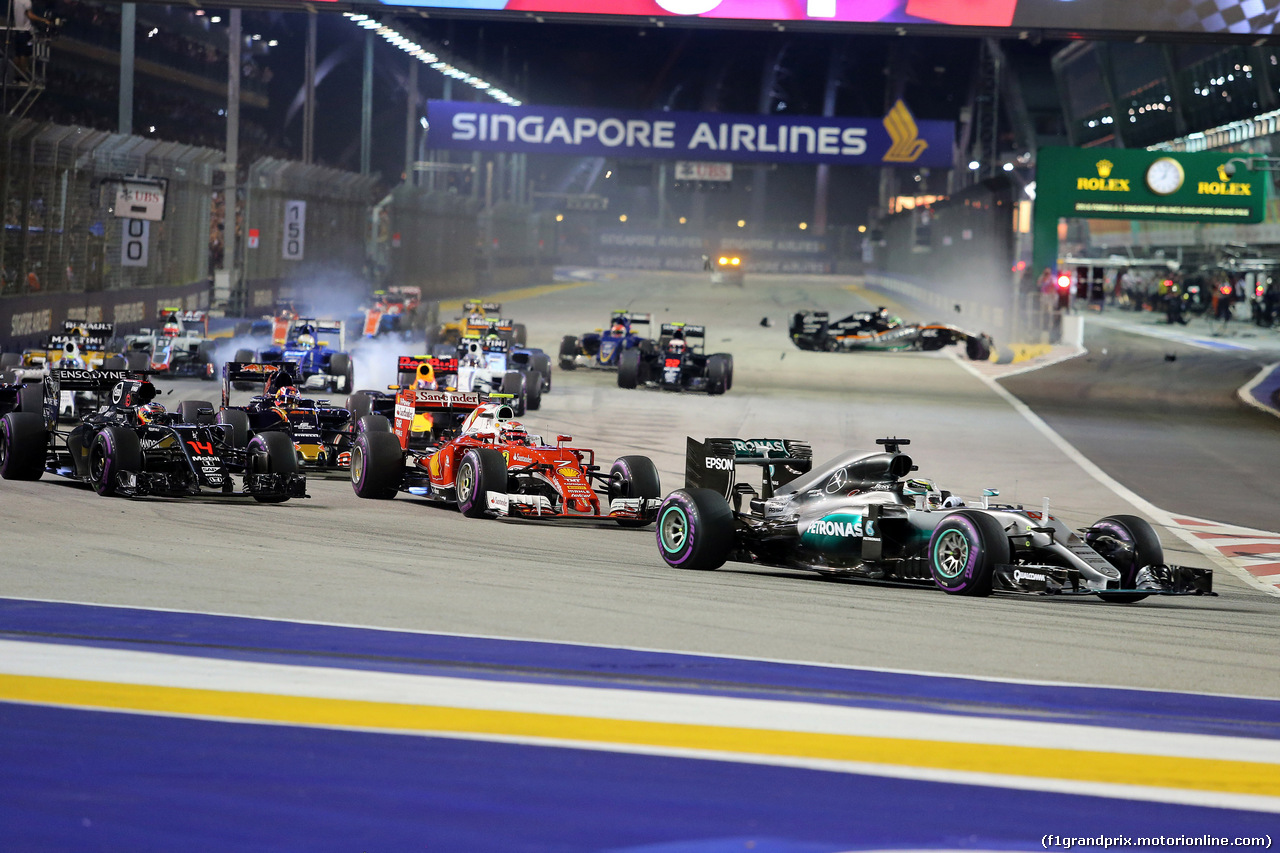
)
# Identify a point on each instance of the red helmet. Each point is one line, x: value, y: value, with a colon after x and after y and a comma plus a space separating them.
x: 149, y: 412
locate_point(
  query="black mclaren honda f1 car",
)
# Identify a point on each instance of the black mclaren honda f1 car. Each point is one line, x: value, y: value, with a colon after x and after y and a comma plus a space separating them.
x: 132, y: 446
x: 879, y: 330
x: 863, y: 515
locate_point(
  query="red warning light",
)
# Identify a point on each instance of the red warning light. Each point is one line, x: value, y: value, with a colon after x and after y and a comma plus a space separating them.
x: 1064, y: 281
x: 1225, y: 289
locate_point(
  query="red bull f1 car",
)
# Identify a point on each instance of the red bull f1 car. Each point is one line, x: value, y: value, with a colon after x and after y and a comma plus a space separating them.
x: 863, y: 515
x: 463, y: 450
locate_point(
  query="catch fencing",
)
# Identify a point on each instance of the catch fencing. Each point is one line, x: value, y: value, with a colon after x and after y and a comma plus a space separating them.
x: 59, y: 232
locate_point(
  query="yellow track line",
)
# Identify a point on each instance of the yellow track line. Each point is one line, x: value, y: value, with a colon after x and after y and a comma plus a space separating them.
x: 1238, y: 777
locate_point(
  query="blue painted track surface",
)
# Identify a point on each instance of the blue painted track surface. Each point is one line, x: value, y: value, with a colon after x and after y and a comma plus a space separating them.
x: 92, y: 780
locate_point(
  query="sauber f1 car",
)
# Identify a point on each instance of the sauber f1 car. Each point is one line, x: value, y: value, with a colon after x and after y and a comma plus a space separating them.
x: 133, y: 447
x: 678, y: 363
x: 864, y: 515
x: 489, y: 465
x: 605, y: 347
x: 320, y: 365
x: 878, y: 330
x: 321, y: 433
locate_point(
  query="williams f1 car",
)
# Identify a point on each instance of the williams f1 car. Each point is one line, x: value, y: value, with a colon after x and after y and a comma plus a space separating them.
x: 489, y: 465
x: 133, y: 447
x: 678, y: 363
x: 878, y: 330
x: 478, y: 317
x: 864, y: 515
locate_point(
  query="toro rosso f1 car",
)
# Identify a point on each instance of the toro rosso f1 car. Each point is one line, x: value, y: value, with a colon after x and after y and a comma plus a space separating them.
x: 134, y: 447
x: 491, y: 466
x: 863, y: 515
x: 878, y: 330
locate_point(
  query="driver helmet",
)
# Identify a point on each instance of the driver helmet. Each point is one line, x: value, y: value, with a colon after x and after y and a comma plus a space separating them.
x: 150, y: 412
x: 288, y: 397
x: 487, y: 420
x: 306, y: 340
x: 426, y: 378
x: 513, y: 432
x: 676, y: 345
x: 617, y: 329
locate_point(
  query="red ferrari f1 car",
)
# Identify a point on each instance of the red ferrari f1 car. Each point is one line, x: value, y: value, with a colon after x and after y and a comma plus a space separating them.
x: 468, y: 450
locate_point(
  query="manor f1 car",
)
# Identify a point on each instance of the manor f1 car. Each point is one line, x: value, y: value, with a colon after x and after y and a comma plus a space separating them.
x: 678, y: 363
x: 878, y: 330
x: 864, y: 515
x: 134, y: 447
x: 489, y: 465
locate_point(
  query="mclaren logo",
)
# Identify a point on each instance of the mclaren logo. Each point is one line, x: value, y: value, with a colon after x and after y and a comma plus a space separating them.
x: 905, y: 135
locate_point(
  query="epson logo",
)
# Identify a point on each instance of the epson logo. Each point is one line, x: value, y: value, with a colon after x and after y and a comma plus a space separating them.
x: 1019, y: 576
x: 822, y: 527
x: 714, y: 463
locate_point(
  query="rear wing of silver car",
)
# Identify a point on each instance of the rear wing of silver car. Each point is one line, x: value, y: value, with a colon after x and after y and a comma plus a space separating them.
x: 714, y: 463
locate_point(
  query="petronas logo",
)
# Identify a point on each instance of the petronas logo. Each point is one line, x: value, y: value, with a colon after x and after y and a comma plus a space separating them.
x: 907, y: 145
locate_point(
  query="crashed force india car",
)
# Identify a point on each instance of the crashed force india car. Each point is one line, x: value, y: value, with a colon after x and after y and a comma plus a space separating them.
x: 321, y: 433
x: 678, y: 363
x: 878, y: 330
x: 489, y: 465
x: 133, y: 447
x: 860, y: 515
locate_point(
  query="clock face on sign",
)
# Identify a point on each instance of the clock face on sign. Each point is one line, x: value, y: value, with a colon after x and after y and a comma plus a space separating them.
x: 1165, y: 176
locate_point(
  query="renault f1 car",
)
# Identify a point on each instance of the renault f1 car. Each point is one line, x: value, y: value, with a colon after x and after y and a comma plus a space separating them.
x: 321, y: 433
x: 320, y: 365
x: 489, y: 465
x: 479, y: 317
x: 878, y: 330
x: 133, y: 447
x: 604, y: 347
x: 863, y: 515
x: 678, y: 363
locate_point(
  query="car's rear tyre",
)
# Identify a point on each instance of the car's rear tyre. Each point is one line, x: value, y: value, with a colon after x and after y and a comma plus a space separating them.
x: 377, y: 464
x: 978, y: 349
x: 31, y: 399
x: 1144, y: 549
x: 238, y: 421
x: 634, y: 477
x: 23, y: 442
x: 189, y: 411
x: 629, y: 368
x: 374, y: 423
x: 542, y: 363
x: 964, y: 551
x: 728, y: 370
x: 341, y: 367
x: 272, y: 453
x: 569, y: 353
x: 533, y: 391
x: 243, y: 355
x: 520, y: 334
x: 480, y: 472
x: 717, y: 375
x: 695, y: 529
x: 115, y: 450
x: 513, y: 383
x: 359, y: 404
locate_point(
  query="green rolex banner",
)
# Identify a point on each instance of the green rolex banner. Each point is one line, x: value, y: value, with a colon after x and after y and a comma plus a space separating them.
x: 1121, y: 183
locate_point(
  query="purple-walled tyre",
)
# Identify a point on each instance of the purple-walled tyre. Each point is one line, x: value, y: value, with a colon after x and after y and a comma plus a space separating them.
x: 115, y: 450
x: 695, y: 529
x: 1143, y: 549
x: 480, y: 472
x: 634, y: 477
x: 377, y: 464
x: 964, y: 551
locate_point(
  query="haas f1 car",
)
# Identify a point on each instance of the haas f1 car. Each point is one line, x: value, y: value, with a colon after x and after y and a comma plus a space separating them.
x: 133, y: 447
x: 878, y: 330
x: 863, y: 515
x: 489, y: 465
x: 677, y: 363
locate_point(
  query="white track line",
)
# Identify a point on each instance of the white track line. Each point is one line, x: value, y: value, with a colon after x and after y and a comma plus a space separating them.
x: 1161, y: 517
x: 1246, y: 390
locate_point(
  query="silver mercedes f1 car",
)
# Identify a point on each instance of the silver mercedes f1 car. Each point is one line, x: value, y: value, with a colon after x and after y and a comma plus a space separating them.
x: 863, y: 514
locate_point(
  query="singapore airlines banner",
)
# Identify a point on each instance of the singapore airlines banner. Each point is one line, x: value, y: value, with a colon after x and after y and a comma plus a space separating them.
x: 897, y: 139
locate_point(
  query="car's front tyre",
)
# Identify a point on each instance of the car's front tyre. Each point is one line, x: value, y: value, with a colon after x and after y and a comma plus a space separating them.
x: 964, y: 551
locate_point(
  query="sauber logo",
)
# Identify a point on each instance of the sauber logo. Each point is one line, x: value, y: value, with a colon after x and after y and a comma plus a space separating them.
x: 714, y: 463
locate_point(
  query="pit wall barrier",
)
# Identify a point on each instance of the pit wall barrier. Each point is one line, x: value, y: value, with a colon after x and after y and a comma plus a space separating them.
x: 27, y: 321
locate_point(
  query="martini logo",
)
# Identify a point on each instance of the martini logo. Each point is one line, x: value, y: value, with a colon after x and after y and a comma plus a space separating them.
x: 1104, y: 182
x: 1223, y: 186
x: 907, y: 145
